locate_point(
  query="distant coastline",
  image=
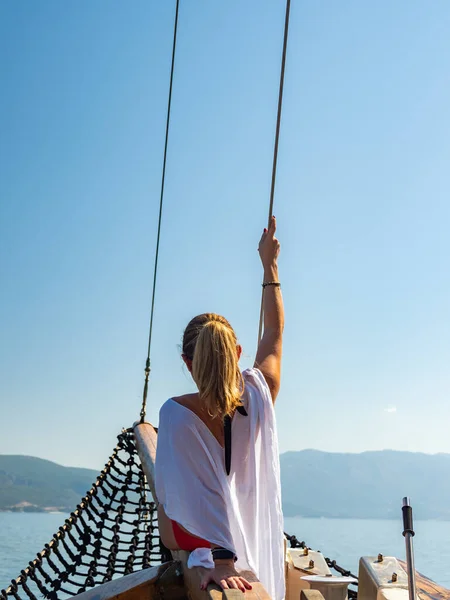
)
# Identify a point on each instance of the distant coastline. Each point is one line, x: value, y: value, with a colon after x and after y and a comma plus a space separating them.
x: 64, y: 510
x: 28, y: 507
x: 314, y: 484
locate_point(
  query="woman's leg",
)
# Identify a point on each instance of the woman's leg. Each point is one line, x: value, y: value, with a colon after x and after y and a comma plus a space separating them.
x: 166, y: 530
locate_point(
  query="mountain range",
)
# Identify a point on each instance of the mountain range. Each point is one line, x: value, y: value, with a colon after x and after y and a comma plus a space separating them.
x: 366, y: 485
x: 28, y: 483
x: 314, y: 484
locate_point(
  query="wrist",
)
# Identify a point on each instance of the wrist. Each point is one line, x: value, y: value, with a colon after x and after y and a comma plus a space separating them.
x: 271, y: 273
x: 223, y: 554
x: 224, y: 562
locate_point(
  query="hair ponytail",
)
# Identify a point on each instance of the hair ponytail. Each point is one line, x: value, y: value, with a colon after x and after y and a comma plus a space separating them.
x: 209, y: 340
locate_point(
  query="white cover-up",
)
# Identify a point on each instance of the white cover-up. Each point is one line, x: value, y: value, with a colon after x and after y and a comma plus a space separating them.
x: 241, y: 511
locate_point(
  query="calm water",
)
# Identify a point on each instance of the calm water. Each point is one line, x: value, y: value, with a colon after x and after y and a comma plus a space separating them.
x: 22, y: 535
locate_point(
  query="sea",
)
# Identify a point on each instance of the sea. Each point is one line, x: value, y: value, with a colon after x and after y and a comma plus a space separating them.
x: 22, y: 535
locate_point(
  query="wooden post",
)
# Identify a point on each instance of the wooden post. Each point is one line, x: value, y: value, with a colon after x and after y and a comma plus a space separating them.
x: 146, y: 439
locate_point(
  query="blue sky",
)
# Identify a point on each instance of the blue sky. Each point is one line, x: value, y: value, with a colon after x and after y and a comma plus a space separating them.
x: 362, y: 203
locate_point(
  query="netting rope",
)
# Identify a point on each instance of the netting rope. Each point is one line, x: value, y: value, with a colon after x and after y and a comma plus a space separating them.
x: 112, y: 532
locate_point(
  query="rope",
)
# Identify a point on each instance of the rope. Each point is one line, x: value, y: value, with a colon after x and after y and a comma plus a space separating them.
x: 277, y: 137
x: 161, y: 200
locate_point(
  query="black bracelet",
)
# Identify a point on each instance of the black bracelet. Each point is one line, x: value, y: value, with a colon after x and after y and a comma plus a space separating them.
x: 223, y: 554
x: 274, y: 283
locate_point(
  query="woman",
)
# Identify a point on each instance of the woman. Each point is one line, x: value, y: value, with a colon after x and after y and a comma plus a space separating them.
x: 217, y: 464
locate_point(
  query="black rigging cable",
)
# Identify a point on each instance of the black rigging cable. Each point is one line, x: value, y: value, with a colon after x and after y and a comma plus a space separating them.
x: 277, y: 137
x: 163, y: 177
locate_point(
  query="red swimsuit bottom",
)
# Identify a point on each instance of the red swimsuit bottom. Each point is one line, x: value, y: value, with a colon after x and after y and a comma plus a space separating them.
x: 186, y: 541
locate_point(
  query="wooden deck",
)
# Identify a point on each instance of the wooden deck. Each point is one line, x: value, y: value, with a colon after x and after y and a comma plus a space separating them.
x: 428, y: 589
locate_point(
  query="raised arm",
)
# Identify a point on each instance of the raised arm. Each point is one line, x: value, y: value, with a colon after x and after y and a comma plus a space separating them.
x: 268, y: 355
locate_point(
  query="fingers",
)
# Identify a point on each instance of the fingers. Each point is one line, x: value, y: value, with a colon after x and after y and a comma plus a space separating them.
x: 270, y: 231
x: 272, y: 226
x: 264, y: 233
x: 205, y: 580
x: 237, y: 583
x: 241, y: 585
x: 246, y: 584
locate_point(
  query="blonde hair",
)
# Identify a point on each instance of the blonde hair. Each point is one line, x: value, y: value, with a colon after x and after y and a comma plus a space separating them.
x: 210, y: 342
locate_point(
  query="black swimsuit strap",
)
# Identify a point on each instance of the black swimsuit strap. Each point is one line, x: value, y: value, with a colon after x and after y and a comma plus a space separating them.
x: 227, y: 442
x: 227, y: 437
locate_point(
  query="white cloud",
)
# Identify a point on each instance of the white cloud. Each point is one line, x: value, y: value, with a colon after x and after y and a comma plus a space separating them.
x: 391, y: 409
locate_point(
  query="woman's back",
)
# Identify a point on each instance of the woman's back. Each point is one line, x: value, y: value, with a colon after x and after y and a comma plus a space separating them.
x: 240, y: 511
x: 192, y: 403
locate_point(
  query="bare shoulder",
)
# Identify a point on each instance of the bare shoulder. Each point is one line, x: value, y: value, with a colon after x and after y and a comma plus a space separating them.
x: 187, y: 400
x: 192, y: 403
